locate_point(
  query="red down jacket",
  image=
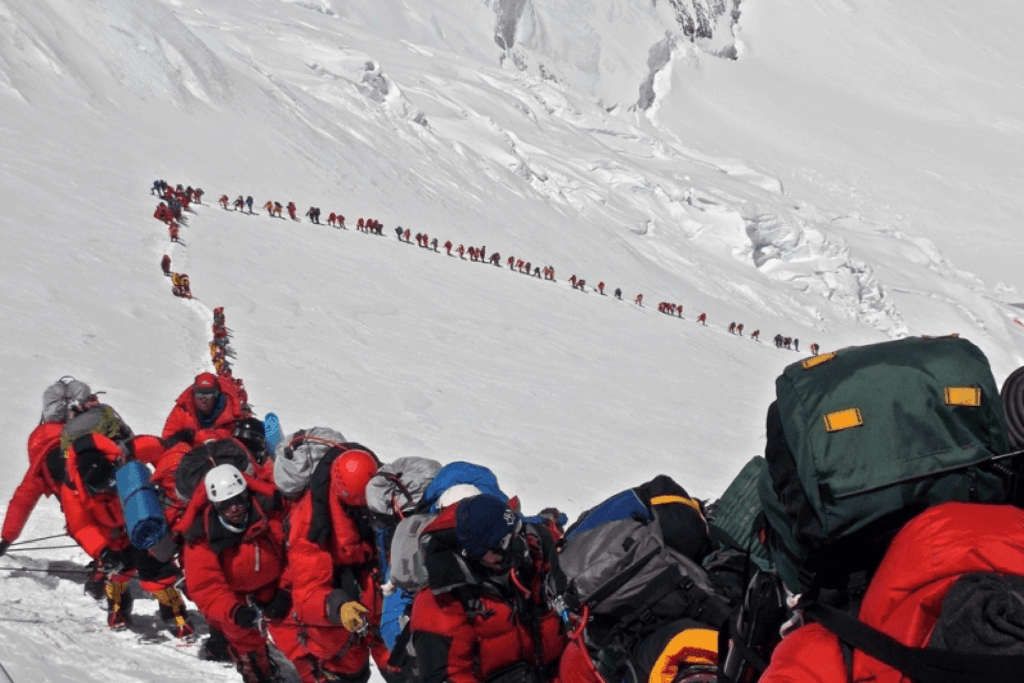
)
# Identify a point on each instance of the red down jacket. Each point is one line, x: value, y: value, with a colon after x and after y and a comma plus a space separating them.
x: 904, y: 600
x: 317, y: 595
x: 184, y: 416
x: 36, y: 483
x: 95, y: 521
x: 223, y: 568
x: 456, y: 644
x: 312, y: 566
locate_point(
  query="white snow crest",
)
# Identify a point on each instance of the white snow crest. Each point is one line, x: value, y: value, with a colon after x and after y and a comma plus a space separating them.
x: 147, y: 52
x: 811, y: 261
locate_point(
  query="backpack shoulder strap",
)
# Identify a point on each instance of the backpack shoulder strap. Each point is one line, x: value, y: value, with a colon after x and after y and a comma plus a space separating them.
x: 923, y: 665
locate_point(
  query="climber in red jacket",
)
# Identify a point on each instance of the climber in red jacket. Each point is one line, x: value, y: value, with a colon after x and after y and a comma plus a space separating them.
x: 96, y: 521
x: 905, y: 600
x: 211, y: 403
x: 332, y: 568
x: 234, y: 559
x: 484, y: 610
x: 45, y: 461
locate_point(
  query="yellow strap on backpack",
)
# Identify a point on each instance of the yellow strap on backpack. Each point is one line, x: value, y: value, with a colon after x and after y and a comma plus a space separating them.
x: 664, y: 500
x: 688, y: 648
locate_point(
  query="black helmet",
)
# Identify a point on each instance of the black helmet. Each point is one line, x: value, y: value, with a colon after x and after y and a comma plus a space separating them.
x: 250, y: 432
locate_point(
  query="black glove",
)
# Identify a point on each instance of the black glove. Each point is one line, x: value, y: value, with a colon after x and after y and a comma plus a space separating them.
x: 279, y: 607
x: 247, y: 617
x: 4, y: 545
x: 112, y: 561
x: 181, y: 436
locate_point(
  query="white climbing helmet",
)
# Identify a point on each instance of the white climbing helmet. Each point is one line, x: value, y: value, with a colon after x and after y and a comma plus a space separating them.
x: 224, y: 482
x: 454, y: 494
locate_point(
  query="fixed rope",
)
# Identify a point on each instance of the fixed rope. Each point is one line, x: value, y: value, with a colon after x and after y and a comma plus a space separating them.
x: 36, y: 540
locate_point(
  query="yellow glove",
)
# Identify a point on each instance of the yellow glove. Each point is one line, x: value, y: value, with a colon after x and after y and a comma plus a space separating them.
x: 352, y: 616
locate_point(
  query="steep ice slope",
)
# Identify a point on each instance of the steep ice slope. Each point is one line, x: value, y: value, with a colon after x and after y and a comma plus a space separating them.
x: 407, y: 112
x: 907, y: 116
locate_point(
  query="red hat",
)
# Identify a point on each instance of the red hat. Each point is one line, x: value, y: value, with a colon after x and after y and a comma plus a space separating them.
x: 205, y: 382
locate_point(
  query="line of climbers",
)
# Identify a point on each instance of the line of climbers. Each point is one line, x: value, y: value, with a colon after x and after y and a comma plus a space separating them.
x: 275, y: 548
x: 880, y: 534
x: 780, y: 341
x: 317, y: 547
x: 220, y: 351
x: 174, y: 202
x: 220, y: 344
x: 373, y: 226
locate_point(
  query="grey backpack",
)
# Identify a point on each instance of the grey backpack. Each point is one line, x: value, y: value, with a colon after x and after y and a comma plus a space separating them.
x: 61, y: 396
x: 297, y: 456
x: 99, y: 419
x: 408, y: 569
x: 398, y: 487
x: 615, y: 565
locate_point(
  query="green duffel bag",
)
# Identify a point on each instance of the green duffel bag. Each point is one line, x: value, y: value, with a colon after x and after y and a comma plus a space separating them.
x: 861, y: 440
x: 737, y: 511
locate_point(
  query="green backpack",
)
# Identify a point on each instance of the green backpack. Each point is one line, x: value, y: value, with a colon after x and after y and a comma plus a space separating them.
x: 737, y: 511
x: 863, y: 439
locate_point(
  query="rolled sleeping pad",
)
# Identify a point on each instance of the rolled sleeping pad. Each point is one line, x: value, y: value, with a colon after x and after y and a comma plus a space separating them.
x: 272, y: 432
x: 1012, y: 395
x: 143, y: 517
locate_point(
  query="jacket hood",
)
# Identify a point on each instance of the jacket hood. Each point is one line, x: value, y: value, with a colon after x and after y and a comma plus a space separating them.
x: 220, y: 538
x: 449, y: 570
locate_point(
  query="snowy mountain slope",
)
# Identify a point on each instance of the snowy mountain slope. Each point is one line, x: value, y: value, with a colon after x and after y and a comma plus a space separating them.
x: 906, y: 116
x: 715, y: 194
x: 51, y: 632
x: 304, y: 79
x: 487, y: 158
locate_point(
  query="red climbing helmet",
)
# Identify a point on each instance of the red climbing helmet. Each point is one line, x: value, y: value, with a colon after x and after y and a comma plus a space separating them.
x: 350, y: 474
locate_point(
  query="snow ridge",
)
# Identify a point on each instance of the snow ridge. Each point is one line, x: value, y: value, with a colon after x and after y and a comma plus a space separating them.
x: 808, y: 259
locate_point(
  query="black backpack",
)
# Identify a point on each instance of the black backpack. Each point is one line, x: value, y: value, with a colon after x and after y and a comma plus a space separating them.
x: 631, y: 564
x: 197, y: 462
